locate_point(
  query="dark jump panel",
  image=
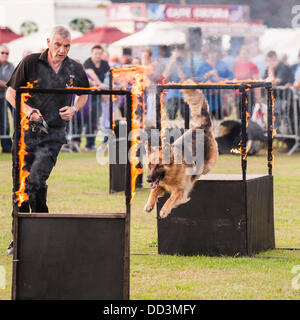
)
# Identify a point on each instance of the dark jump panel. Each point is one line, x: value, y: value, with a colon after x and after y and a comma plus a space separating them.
x: 225, y: 216
x: 70, y: 257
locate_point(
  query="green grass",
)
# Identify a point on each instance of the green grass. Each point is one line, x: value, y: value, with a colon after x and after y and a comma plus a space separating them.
x: 79, y: 184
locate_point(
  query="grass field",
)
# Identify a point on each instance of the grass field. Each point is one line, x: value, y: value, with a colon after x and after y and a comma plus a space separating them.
x: 79, y: 184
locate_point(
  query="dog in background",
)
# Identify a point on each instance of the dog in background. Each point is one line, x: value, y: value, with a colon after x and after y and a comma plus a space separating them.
x: 172, y: 177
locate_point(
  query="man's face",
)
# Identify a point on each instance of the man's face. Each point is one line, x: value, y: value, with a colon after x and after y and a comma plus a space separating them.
x: 97, y: 55
x: 59, y: 47
x: 272, y: 61
x: 4, y: 53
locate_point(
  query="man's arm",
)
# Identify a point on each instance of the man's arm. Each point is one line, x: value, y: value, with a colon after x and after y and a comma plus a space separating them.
x: 11, y: 98
x: 92, y: 73
x: 67, y: 112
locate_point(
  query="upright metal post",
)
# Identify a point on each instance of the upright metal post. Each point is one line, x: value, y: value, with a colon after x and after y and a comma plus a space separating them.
x: 110, y: 100
x: 243, y: 108
x: 186, y: 116
x: 16, y: 176
x: 270, y: 128
x: 128, y: 200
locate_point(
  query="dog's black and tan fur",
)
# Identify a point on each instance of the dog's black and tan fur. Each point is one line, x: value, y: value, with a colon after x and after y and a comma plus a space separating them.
x: 172, y: 178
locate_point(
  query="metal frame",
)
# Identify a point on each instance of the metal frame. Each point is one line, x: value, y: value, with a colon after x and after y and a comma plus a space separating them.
x: 16, y: 173
x: 111, y: 125
x: 243, y: 101
x: 242, y: 87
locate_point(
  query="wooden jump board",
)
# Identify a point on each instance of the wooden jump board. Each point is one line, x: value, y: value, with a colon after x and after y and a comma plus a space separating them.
x: 225, y: 216
x: 70, y: 257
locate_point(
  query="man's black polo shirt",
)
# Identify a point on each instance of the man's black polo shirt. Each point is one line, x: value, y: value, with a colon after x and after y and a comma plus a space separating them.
x: 282, y: 72
x: 35, y: 67
x: 101, y: 71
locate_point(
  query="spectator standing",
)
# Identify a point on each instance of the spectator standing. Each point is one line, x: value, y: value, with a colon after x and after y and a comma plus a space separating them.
x: 277, y: 72
x: 98, y: 67
x: 245, y: 69
x: 295, y: 68
x: 229, y: 59
x: 176, y: 70
x: 280, y: 75
x: 6, y: 70
x: 212, y: 69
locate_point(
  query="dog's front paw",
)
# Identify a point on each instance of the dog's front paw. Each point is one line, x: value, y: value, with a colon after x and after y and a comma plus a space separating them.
x: 164, y: 213
x: 185, y: 200
x: 148, y: 208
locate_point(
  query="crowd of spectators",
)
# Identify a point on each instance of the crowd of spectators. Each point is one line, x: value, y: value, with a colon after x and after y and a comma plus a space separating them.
x: 173, y: 65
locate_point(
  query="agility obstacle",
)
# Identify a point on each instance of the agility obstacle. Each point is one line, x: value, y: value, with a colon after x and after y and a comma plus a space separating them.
x: 70, y: 256
x: 227, y: 214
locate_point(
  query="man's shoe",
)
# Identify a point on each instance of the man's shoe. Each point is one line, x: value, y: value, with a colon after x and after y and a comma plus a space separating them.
x: 10, y: 248
x: 65, y: 148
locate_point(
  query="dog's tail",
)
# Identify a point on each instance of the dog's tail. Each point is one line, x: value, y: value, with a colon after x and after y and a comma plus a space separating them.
x: 198, y: 105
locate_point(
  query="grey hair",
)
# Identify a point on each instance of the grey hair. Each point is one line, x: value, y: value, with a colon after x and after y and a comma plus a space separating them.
x: 62, y: 31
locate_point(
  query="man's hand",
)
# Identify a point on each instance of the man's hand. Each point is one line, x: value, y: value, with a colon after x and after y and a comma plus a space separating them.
x: 34, y: 116
x: 66, y: 113
x: 211, y: 73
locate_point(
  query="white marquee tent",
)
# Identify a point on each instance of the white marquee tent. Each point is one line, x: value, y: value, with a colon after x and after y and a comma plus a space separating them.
x: 155, y: 33
x: 283, y: 41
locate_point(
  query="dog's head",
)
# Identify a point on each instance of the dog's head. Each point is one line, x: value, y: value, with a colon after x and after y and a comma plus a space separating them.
x: 159, y: 162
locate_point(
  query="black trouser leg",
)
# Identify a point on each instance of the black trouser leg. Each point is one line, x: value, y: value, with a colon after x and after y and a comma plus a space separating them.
x: 40, y: 201
x: 41, y: 167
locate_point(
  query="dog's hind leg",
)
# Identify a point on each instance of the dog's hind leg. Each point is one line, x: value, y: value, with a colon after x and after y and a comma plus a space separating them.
x: 155, y: 193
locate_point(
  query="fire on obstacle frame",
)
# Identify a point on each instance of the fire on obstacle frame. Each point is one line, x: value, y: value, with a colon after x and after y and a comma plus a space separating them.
x: 227, y: 214
x: 50, y: 259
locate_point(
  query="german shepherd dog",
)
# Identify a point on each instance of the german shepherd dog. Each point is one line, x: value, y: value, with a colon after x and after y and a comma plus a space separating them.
x: 172, y: 177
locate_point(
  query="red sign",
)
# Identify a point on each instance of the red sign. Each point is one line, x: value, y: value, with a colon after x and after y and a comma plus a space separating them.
x: 172, y: 12
x: 206, y: 13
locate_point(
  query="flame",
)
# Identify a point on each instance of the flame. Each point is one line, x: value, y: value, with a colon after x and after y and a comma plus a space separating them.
x: 21, y: 195
x: 247, y: 117
x: 241, y: 150
x: 138, y: 78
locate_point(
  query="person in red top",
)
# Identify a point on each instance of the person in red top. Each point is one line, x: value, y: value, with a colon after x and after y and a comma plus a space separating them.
x: 244, y: 69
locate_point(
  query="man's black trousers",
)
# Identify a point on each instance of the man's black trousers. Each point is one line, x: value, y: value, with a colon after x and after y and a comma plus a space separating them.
x: 42, y: 154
